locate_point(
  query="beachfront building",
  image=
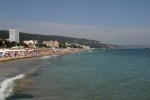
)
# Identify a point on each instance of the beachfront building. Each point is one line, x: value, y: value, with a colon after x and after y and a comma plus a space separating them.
x: 14, y: 35
x: 85, y: 47
x: 31, y: 43
x: 51, y: 44
x: 76, y: 45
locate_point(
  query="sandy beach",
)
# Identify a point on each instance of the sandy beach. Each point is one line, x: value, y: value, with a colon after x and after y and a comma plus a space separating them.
x: 13, y: 58
x: 28, y: 53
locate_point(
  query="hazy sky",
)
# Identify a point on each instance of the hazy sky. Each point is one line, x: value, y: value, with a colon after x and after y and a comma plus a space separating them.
x: 109, y: 21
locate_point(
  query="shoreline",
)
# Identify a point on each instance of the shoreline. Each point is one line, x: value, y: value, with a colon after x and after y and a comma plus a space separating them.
x: 35, y: 53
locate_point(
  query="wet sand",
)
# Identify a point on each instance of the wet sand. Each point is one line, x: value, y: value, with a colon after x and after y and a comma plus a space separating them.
x: 13, y: 58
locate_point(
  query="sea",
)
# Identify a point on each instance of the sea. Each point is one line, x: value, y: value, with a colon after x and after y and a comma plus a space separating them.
x: 119, y: 74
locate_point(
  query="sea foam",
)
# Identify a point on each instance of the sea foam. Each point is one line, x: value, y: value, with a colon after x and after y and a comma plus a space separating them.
x: 6, y: 87
x: 46, y: 57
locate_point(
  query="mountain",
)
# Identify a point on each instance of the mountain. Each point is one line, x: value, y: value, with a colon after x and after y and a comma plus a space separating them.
x: 27, y: 36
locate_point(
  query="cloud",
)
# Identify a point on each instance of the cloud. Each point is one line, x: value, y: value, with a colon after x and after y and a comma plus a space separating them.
x: 113, y: 35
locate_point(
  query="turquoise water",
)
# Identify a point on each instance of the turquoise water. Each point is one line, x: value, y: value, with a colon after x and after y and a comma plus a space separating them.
x: 97, y: 75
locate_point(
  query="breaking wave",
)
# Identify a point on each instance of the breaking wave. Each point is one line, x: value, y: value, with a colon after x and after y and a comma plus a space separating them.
x: 6, y: 87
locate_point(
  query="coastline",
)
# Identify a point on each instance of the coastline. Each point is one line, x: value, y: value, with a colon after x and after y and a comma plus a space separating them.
x: 21, y: 54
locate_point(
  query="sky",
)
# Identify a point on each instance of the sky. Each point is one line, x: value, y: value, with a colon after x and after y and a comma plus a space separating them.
x: 122, y: 22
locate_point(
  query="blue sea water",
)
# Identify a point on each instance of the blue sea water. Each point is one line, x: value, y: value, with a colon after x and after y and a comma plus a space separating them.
x: 99, y: 75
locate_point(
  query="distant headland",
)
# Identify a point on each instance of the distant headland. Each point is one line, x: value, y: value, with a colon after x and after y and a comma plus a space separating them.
x: 4, y: 34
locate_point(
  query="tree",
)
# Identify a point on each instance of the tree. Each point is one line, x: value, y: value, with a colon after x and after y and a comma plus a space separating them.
x: 11, y: 44
x: 1, y: 44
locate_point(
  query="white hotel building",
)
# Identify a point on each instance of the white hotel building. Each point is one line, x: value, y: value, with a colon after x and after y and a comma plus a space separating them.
x: 14, y: 35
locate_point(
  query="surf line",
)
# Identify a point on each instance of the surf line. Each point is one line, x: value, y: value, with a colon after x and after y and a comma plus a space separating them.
x: 6, y: 87
x: 46, y: 57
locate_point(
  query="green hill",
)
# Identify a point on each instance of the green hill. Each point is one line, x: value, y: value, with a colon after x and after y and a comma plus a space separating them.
x: 27, y: 36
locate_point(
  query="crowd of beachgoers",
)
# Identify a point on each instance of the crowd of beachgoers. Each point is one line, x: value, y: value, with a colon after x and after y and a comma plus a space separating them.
x: 4, y: 53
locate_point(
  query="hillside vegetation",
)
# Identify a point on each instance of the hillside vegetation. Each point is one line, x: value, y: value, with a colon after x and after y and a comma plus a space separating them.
x: 27, y: 36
